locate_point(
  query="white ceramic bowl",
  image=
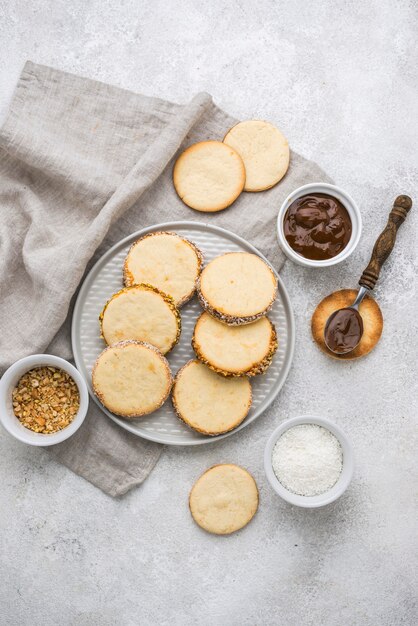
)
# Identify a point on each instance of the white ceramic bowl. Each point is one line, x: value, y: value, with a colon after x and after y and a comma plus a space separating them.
x: 8, y: 382
x: 345, y: 199
x: 310, y: 502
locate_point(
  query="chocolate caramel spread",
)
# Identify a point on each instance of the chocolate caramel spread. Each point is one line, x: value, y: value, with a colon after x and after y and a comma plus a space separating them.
x: 343, y: 330
x: 317, y: 226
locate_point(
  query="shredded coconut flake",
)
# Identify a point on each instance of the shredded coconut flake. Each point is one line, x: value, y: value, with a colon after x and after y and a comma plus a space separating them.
x: 307, y: 459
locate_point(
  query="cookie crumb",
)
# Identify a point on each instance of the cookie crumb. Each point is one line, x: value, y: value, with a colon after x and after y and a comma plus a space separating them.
x: 46, y: 400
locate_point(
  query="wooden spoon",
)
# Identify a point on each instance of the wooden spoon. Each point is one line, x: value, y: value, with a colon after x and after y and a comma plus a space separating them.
x: 344, y: 328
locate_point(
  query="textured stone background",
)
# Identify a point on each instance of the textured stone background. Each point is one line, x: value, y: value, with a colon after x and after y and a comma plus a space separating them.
x: 339, y: 78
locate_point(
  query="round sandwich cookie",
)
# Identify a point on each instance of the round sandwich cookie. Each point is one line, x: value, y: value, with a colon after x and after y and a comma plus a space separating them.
x: 209, y: 176
x: 166, y: 261
x: 264, y: 150
x: 207, y: 402
x: 224, y: 499
x: 132, y: 378
x: 144, y: 313
x: 235, y: 350
x: 237, y: 288
x: 369, y: 311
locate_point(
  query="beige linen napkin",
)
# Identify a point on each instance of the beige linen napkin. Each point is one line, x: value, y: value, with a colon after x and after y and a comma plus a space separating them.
x: 83, y: 164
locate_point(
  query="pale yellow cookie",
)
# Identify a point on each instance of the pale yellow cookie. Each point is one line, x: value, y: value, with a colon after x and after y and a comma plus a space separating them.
x: 166, y: 261
x: 237, y: 288
x: 131, y: 378
x: 208, y: 402
x: 144, y: 313
x: 235, y: 350
x: 224, y: 499
x: 264, y: 150
x: 209, y: 176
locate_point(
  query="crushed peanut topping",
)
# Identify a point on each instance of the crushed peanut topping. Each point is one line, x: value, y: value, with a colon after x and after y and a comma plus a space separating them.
x: 46, y: 399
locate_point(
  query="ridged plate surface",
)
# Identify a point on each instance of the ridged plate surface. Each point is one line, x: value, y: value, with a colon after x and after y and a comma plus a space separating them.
x: 105, y: 278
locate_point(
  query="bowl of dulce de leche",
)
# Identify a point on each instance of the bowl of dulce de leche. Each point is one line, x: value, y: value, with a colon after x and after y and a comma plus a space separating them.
x: 319, y: 225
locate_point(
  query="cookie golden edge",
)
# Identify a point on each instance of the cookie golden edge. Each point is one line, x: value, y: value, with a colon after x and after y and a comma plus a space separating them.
x: 220, y: 207
x: 129, y: 281
x: 341, y: 299
x: 168, y: 299
x: 249, y: 518
x: 266, y: 188
x: 231, y: 320
x: 121, y: 344
x: 254, y: 370
x: 235, y: 320
x: 202, y: 431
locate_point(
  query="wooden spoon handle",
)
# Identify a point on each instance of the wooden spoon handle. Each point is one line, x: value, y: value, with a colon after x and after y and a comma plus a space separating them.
x: 385, y: 242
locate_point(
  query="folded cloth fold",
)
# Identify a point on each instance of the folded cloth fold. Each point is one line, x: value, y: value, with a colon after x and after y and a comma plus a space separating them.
x: 83, y: 164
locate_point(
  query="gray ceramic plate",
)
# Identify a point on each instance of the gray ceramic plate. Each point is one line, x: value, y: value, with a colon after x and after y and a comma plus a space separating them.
x: 105, y: 278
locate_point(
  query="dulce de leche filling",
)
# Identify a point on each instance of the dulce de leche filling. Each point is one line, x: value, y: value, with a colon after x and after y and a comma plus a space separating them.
x: 317, y: 226
x: 343, y: 330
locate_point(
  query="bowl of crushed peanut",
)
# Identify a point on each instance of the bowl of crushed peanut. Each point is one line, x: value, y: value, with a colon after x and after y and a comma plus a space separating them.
x: 43, y: 400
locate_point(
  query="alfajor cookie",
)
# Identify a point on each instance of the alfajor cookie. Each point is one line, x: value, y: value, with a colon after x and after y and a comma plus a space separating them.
x: 131, y: 378
x: 144, y: 313
x: 369, y: 311
x: 166, y: 261
x: 237, y: 288
x: 235, y: 350
x: 207, y: 402
x: 224, y: 499
x: 209, y: 176
x: 264, y: 150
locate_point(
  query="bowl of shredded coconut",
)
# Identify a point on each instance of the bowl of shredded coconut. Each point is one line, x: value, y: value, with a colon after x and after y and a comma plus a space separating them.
x: 309, y: 461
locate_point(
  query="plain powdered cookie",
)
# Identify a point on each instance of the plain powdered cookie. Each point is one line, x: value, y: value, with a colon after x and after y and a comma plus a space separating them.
x: 144, y: 313
x: 237, y: 288
x: 369, y: 311
x: 131, y: 378
x: 209, y: 176
x: 207, y: 402
x: 264, y: 150
x: 166, y: 261
x: 235, y: 350
x: 224, y: 499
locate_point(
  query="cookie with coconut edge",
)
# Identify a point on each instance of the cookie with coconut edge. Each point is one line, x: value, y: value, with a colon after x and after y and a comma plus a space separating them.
x: 132, y: 378
x: 143, y: 313
x: 208, y: 402
x: 235, y: 350
x: 166, y: 261
x: 237, y: 288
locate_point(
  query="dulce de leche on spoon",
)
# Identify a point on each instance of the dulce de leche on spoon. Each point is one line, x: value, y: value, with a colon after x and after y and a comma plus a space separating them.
x: 344, y: 328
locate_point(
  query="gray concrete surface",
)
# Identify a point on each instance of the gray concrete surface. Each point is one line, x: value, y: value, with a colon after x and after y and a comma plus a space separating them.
x: 339, y: 78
